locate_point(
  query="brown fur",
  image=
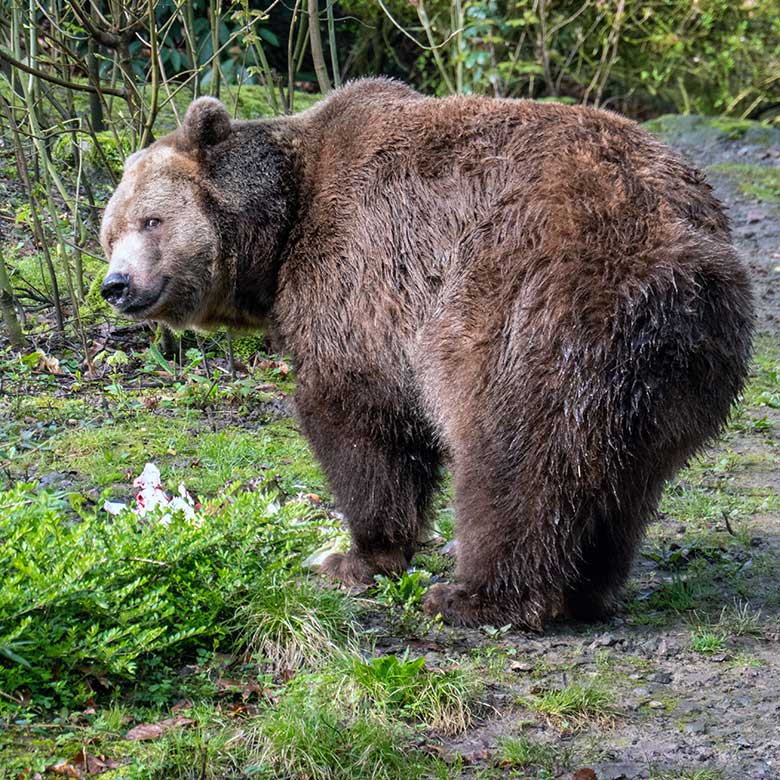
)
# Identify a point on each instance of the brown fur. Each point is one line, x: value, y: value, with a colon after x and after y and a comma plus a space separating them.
x: 542, y: 296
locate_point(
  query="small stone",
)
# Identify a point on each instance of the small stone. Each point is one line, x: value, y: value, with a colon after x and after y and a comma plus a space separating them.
x: 664, y: 678
x: 687, y: 707
x: 626, y: 771
x: 656, y: 705
x: 520, y: 666
x: 695, y: 727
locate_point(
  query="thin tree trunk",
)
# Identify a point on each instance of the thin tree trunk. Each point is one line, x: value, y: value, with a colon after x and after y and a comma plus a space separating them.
x: 315, y: 40
x: 95, y: 104
x: 8, y: 309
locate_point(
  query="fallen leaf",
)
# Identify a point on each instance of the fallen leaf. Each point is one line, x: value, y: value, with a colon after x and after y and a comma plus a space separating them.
x: 585, y: 774
x: 246, y: 689
x: 64, y: 768
x: 148, y: 731
x: 93, y: 765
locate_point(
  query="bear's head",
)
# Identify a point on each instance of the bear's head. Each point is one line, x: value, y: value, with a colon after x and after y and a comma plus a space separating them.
x: 196, y: 223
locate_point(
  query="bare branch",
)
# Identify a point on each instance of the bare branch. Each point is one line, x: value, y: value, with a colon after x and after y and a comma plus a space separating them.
x: 14, y: 63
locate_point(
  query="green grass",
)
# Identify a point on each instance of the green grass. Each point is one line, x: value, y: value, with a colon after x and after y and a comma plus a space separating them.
x: 305, y: 737
x: 706, y: 641
x: 760, y: 181
x: 575, y: 705
x: 295, y: 625
x: 443, y: 700
x: 741, y: 619
x: 763, y: 390
x: 206, y: 461
x: 690, y: 774
x: 524, y: 753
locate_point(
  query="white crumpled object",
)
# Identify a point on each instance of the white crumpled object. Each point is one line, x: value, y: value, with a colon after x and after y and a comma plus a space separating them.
x: 151, y: 495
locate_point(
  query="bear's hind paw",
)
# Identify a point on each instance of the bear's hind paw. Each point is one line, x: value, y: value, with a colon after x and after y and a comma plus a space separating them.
x: 347, y: 569
x: 459, y: 607
x: 455, y: 605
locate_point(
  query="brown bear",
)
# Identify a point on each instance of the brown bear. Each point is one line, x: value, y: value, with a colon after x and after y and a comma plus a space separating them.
x: 541, y: 296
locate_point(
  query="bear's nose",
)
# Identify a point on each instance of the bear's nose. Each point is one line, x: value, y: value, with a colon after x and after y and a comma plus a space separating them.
x: 115, y: 287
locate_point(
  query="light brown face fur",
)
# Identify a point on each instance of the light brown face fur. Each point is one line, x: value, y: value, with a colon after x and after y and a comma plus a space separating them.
x: 159, y: 239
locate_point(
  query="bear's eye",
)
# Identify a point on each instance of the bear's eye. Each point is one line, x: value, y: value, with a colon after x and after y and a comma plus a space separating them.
x: 151, y: 223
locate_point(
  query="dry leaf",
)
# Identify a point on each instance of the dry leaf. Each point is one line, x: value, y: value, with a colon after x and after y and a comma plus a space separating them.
x: 246, y: 689
x: 64, y: 768
x: 93, y: 765
x: 585, y: 774
x: 155, y: 730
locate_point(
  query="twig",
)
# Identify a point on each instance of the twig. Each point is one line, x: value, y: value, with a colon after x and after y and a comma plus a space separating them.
x: 13, y: 62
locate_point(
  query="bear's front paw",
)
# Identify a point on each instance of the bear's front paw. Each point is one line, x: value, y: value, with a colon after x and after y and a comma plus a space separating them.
x: 455, y: 605
x: 348, y: 569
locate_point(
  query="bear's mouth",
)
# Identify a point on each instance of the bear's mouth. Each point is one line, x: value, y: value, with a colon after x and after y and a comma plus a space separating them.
x: 138, y: 306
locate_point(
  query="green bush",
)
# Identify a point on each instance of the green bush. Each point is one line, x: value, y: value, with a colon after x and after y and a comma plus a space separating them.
x: 86, y: 597
x: 710, y: 57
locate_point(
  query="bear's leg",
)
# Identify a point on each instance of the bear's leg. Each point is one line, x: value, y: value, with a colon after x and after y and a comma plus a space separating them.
x: 604, y: 564
x: 512, y: 558
x: 383, y: 476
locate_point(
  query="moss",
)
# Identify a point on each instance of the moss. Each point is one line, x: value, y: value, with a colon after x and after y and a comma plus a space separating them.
x: 95, y: 306
x: 661, y: 125
x: 708, y: 130
x: 759, y: 181
x: 734, y: 129
x: 104, y: 147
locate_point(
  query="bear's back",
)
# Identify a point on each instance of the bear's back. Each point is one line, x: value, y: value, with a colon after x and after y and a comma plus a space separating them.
x: 475, y: 154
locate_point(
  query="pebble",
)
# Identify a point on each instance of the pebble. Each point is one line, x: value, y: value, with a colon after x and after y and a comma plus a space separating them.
x: 686, y: 707
x: 656, y: 705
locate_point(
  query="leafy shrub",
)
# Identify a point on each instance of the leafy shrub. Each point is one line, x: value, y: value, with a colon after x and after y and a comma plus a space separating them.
x: 712, y: 56
x: 86, y: 597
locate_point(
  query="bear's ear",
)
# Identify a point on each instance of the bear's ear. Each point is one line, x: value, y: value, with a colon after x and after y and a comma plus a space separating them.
x: 206, y: 123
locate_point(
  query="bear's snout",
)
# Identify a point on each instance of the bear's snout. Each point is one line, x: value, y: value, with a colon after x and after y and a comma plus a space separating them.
x: 115, y: 288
